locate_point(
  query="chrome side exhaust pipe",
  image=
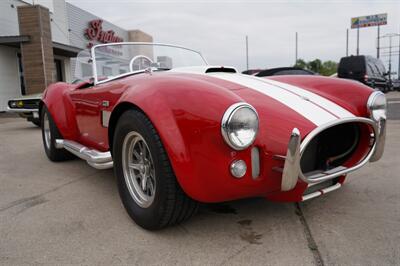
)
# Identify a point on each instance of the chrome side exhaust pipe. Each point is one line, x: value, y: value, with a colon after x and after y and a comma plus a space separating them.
x: 95, y: 158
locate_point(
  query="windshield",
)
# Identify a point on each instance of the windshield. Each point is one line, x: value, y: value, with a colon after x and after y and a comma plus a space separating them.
x: 120, y: 59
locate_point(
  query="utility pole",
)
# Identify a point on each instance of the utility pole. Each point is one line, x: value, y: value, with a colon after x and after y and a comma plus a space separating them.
x: 390, y: 57
x: 296, y: 49
x: 398, y: 71
x: 390, y: 53
x: 247, y: 52
x: 369, y: 21
x: 358, y: 40
x: 347, y: 42
x: 377, y: 46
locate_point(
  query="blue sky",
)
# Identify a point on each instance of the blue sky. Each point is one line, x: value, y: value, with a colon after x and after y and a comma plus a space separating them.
x: 218, y: 28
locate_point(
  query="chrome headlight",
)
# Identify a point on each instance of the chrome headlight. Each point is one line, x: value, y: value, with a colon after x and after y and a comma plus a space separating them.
x: 240, y: 126
x: 377, y: 106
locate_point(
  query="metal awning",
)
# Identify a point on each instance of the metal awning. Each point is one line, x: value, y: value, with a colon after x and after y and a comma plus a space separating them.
x: 65, y: 50
x: 14, y: 41
x: 58, y: 48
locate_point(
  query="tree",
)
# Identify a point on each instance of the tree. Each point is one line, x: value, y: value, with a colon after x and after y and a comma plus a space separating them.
x: 300, y: 63
x: 329, y: 68
x: 315, y: 65
x: 325, y: 68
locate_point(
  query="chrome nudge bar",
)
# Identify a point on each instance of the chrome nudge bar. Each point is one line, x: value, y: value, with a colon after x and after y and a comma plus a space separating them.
x: 292, y: 170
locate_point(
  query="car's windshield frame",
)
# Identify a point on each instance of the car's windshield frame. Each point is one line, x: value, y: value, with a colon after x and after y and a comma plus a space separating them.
x: 96, y: 81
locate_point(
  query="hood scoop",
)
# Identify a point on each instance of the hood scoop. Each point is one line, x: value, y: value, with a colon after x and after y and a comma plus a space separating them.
x: 205, y: 69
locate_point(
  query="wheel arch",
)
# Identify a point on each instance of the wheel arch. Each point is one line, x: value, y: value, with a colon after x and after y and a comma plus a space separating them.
x: 168, y: 131
x: 40, y: 108
x: 115, y: 115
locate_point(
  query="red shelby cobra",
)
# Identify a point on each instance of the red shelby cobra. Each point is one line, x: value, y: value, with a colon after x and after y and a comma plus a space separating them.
x: 178, y: 131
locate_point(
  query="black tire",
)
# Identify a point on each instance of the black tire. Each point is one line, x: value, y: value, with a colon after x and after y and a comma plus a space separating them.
x: 36, y: 122
x: 170, y: 204
x: 54, y: 154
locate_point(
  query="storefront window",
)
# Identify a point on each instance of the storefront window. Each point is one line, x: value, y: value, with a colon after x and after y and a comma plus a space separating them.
x: 58, y: 73
x: 21, y: 74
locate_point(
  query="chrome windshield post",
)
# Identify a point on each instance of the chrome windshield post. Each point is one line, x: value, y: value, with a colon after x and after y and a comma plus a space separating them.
x: 291, y: 167
x: 94, y: 68
x: 380, y: 140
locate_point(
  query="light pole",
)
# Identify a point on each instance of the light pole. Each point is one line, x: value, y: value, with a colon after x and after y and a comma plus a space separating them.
x: 390, y: 57
x: 296, y: 49
x: 247, y: 52
x: 347, y: 42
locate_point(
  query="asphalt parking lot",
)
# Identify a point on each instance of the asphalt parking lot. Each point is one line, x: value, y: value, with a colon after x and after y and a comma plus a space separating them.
x: 70, y: 213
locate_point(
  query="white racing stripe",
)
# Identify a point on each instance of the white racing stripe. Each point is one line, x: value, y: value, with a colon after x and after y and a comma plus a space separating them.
x: 323, y: 102
x: 316, y: 114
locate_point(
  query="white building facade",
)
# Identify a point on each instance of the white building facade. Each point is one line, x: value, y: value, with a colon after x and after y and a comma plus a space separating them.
x: 39, y: 43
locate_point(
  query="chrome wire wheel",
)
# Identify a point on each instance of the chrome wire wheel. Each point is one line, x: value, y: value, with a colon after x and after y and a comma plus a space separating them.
x: 138, y: 169
x: 46, y: 130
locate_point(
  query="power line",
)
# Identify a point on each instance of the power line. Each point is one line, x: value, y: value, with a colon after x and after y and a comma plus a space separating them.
x: 391, y: 52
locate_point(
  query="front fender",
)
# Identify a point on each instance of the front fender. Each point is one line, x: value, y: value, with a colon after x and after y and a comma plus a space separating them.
x: 61, y: 109
x: 187, y: 118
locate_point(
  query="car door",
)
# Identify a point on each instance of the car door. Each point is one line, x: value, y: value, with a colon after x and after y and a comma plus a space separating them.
x: 93, y: 107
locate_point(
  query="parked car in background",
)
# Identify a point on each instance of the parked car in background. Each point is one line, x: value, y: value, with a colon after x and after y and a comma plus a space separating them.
x: 284, y: 71
x: 396, y: 84
x: 366, y: 69
x: 178, y: 131
x: 26, y: 107
x: 251, y: 71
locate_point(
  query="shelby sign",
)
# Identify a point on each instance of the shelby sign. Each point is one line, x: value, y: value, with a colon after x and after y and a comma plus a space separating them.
x: 369, y: 21
x: 95, y: 32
